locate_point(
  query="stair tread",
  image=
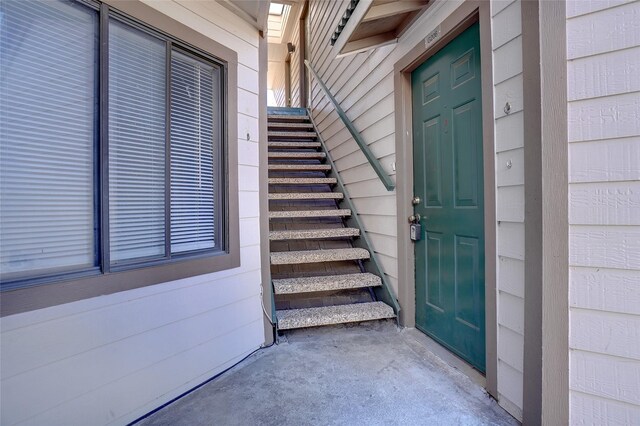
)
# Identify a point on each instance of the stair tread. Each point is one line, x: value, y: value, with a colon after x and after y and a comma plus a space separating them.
x: 293, y: 134
x: 301, y: 181
x: 316, y: 167
x: 309, y: 213
x: 306, y: 195
x: 279, y: 124
x: 316, y: 256
x: 325, y: 283
x: 282, y: 144
x: 293, y: 154
x: 313, y: 234
x: 327, y: 315
x: 292, y: 117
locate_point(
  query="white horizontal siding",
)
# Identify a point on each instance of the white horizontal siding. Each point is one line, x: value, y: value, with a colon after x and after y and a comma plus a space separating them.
x: 583, y: 7
x: 603, y: 69
x: 511, y: 272
x: 604, y: 246
x: 611, y: 290
x: 111, y: 359
x: 295, y: 66
x: 605, y: 376
x: 606, y: 31
x: 511, y: 391
x: 604, y: 75
x: 605, y: 118
x: 605, y: 203
x: 605, y: 160
x: 589, y: 409
x: 509, y: 145
x: 606, y: 332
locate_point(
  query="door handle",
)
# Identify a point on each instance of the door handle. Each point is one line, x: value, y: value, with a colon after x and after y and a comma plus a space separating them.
x: 416, y: 200
x: 414, y: 218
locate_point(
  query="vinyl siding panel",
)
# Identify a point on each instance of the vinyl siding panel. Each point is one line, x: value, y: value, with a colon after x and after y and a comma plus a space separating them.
x: 509, y: 145
x: 589, y: 409
x: 295, y: 67
x: 112, y: 359
x: 604, y: 211
x: 279, y: 91
x: 605, y: 160
x: 620, y: 24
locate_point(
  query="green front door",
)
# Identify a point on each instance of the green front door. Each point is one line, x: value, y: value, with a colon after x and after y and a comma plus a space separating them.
x: 447, y: 172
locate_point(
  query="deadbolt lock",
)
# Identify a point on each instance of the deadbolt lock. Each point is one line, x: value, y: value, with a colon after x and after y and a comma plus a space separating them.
x: 416, y: 200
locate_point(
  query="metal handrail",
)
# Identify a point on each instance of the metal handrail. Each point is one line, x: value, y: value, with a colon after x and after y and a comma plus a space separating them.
x: 375, y: 163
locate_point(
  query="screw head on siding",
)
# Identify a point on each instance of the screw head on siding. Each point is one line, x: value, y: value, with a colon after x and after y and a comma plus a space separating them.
x: 507, y: 108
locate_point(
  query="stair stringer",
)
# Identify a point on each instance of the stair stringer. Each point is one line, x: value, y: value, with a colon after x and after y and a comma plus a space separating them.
x: 383, y: 292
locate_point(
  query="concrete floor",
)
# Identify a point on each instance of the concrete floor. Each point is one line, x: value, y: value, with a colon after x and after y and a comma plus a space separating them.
x: 345, y: 375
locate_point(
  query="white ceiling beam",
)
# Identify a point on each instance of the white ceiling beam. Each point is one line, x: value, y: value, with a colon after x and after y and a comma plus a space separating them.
x: 367, y: 43
x: 359, y: 12
x: 390, y: 9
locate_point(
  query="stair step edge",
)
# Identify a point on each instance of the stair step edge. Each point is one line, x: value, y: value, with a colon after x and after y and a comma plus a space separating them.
x: 318, y: 256
x: 287, y: 144
x: 325, y: 283
x: 293, y: 154
x: 313, y: 234
x: 315, y: 167
x: 301, y: 181
x: 328, y: 315
x: 291, y: 117
x: 309, y: 213
x: 306, y: 195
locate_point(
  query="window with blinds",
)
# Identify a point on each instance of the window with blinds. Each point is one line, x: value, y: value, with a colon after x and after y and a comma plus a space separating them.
x: 110, y: 159
x: 137, y: 109
x: 195, y: 137
x: 48, y: 106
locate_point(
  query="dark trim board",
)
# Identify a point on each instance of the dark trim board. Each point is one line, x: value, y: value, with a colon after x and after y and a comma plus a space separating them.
x: 263, y: 188
x: 74, y: 289
x: 462, y: 18
x: 546, y: 331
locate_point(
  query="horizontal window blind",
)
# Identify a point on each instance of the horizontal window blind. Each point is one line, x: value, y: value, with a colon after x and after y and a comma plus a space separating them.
x: 48, y: 93
x: 195, y: 141
x: 137, y: 87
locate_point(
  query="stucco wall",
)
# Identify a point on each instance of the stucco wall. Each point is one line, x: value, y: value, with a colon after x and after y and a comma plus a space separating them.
x: 603, y: 52
x: 112, y: 359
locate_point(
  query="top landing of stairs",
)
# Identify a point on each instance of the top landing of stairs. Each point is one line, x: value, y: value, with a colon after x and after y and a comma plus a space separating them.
x: 288, y: 112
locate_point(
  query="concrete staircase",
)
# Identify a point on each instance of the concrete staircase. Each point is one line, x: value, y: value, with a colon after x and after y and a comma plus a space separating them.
x: 318, y: 275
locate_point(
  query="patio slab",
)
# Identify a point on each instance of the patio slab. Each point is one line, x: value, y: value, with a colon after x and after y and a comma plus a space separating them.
x: 365, y: 374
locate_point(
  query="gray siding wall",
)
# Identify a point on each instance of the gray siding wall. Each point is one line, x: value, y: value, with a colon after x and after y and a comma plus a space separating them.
x: 603, y: 52
x: 509, y: 145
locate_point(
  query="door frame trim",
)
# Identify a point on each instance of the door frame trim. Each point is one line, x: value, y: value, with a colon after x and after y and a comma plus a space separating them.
x: 468, y: 13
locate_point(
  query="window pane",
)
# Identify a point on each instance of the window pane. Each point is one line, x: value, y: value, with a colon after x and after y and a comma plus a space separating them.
x: 48, y: 93
x: 195, y: 141
x: 137, y: 84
